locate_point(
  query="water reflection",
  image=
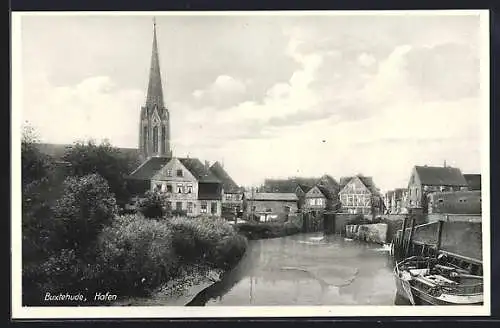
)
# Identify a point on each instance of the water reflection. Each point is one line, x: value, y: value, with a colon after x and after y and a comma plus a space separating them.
x: 306, y: 269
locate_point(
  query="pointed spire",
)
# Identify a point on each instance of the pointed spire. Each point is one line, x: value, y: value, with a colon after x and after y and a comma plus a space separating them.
x: 155, y: 91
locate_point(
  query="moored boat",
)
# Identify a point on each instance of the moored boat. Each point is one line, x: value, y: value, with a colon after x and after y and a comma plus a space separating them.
x: 435, y: 281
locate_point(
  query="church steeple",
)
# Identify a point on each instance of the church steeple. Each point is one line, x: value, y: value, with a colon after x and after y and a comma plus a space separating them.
x: 155, y: 91
x: 154, y: 133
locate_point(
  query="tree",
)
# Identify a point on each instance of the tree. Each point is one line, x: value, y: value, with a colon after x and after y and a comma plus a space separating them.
x: 153, y: 205
x: 105, y: 160
x: 86, y: 207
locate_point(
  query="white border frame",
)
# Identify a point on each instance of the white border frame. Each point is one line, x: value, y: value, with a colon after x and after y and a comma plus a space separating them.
x: 20, y: 312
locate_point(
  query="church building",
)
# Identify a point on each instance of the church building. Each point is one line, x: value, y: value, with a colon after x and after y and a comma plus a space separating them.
x: 191, y: 187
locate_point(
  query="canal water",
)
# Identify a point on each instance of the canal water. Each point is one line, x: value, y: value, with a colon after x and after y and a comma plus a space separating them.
x: 306, y: 269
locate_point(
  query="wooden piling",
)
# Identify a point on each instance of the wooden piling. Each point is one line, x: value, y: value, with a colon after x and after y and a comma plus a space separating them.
x: 439, y: 235
x: 410, y: 238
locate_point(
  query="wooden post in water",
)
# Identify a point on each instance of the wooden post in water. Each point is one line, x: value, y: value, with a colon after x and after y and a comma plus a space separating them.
x: 439, y: 236
x: 401, y: 241
x: 410, y: 237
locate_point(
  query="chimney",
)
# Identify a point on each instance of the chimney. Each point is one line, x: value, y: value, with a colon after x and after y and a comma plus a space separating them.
x: 444, y: 163
x: 207, y: 165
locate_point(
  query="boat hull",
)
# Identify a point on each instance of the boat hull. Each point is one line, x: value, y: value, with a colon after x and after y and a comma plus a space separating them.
x: 422, y: 298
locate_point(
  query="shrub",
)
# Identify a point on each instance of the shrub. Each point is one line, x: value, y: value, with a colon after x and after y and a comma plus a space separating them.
x: 211, y: 239
x: 261, y: 230
x: 136, y: 254
x: 85, y: 208
x: 152, y: 205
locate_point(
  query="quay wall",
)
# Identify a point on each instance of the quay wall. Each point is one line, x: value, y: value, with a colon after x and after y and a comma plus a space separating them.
x: 459, y: 237
x: 374, y: 233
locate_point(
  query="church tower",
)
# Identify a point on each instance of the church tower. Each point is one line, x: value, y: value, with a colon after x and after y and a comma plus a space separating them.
x: 154, y: 128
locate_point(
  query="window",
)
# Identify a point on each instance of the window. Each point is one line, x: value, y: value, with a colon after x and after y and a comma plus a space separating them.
x: 178, y: 206
x: 203, y: 207
x: 157, y: 187
x: 440, y: 200
x: 179, y: 188
x: 179, y: 173
x: 164, y: 139
x: 213, y: 207
x: 169, y: 188
x: 169, y: 205
x: 169, y: 173
x: 287, y: 209
x: 228, y: 197
x: 254, y: 208
x: 144, y: 137
x: 268, y: 210
x: 155, y: 139
x: 189, y: 188
x: 190, y: 207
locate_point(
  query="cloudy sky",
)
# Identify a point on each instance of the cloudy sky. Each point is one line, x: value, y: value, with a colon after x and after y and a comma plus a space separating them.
x: 270, y: 96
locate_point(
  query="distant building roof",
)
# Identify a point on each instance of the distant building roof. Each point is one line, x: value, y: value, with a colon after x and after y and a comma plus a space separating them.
x: 473, y: 181
x: 399, y: 192
x: 440, y: 176
x: 276, y: 196
x: 227, y: 182
x: 367, y: 181
x: 326, y: 192
x: 149, y: 168
x: 201, y: 172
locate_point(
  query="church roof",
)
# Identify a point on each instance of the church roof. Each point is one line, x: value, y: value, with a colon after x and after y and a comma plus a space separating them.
x: 155, y: 91
x: 228, y: 183
x: 440, y: 176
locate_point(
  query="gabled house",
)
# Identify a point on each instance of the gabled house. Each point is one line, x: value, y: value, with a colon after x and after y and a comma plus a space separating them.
x: 398, y: 201
x: 301, y: 186
x: 428, y: 179
x: 232, y: 195
x: 270, y: 206
x: 319, y: 199
x: 189, y: 186
x: 359, y: 195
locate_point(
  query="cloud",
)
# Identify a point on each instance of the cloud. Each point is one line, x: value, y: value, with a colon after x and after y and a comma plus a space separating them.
x: 366, y: 59
x: 223, y: 92
x: 90, y: 109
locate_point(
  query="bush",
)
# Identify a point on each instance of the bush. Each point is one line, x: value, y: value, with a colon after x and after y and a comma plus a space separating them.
x: 152, y: 205
x: 206, y: 238
x: 86, y: 207
x: 262, y: 230
x: 136, y: 254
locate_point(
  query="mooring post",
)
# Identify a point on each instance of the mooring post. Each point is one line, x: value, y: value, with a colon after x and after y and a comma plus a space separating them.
x: 410, y: 237
x: 439, y: 235
x: 402, y: 239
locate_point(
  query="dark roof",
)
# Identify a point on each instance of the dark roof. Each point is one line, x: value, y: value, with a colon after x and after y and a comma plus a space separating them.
x: 473, y: 181
x: 329, y: 182
x: 227, y: 182
x: 209, y: 191
x: 326, y: 192
x: 390, y: 193
x: 149, y: 168
x: 289, y: 185
x: 440, y: 176
x: 277, y: 196
x: 201, y: 172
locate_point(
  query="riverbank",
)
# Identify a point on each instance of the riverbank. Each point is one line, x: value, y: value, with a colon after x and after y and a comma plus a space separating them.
x: 180, y: 290
x: 266, y: 230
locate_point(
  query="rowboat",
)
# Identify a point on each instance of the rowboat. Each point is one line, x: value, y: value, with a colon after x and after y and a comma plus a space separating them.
x: 435, y: 281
